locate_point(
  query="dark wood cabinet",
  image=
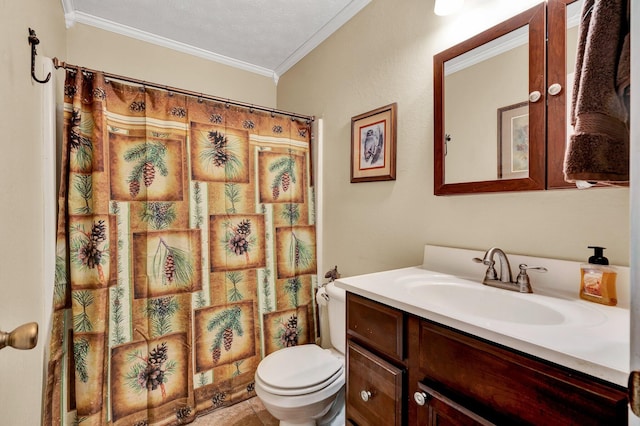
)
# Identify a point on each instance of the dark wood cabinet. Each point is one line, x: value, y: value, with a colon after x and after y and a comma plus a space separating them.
x: 506, y: 387
x: 402, y: 369
x: 376, y: 372
x: 376, y: 325
x: 374, y: 388
x: 549, y: 42
x: 435, y: 409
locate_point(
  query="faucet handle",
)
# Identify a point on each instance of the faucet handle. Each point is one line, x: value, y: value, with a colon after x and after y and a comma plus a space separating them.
x: 524, y: 268
x: 491, y: 273
x: 523, y: 281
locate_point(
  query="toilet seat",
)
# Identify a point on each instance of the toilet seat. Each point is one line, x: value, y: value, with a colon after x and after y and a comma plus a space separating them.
x: 299, y: 370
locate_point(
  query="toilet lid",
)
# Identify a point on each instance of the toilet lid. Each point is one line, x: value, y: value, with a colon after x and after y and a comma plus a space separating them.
x: 299, y: 367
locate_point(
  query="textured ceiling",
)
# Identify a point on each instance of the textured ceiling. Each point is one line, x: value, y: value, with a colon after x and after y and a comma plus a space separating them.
x: 262, y: 36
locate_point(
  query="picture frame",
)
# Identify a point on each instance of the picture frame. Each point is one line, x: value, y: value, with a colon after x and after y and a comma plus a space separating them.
x: 513, y: 141
x: 373, y: 145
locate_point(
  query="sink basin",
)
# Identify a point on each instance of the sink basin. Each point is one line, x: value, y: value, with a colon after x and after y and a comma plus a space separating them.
x: 476, y: 300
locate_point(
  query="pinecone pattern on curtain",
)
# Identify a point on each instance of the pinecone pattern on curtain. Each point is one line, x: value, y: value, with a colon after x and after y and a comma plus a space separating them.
x: 186, y: 253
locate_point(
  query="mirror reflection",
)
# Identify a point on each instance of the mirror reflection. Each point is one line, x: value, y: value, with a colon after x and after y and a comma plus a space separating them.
x: 486, y: 111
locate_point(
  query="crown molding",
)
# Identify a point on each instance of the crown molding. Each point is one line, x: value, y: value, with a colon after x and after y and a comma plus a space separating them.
x: 69, y: 13
x: 72, y: 16
x: 322, y: 34
x: 493, y: 48
x: 107, y: 25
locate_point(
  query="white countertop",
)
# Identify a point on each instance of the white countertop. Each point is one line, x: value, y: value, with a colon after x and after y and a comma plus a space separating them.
x: 595, y: 342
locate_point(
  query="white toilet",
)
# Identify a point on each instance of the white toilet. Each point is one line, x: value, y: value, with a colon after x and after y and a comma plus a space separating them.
x: 304, y: 385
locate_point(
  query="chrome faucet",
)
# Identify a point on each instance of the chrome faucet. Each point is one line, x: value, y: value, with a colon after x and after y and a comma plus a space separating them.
x: 505, y: 281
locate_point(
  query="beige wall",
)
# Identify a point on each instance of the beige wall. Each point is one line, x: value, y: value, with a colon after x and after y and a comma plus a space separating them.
x: 21, y: 217
x: 384, y: 55
x: 103, y: 50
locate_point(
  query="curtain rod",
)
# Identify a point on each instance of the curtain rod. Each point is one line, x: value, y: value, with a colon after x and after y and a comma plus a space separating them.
x: 61, y: 64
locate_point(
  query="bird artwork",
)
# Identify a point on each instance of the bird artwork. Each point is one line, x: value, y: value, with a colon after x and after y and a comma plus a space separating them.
x: 372, y: 144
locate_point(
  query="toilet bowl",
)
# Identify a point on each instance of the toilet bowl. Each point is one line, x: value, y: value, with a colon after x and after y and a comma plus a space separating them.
x: 304, y: 385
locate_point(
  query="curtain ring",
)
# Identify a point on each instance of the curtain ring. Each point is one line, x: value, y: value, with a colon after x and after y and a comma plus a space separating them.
x: 227, y: 105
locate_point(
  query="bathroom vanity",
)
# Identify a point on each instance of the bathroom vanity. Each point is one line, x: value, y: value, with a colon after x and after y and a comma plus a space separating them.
x: 412, y: 359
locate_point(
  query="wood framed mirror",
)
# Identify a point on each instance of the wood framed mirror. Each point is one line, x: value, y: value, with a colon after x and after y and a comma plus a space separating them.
x: 489, y: 109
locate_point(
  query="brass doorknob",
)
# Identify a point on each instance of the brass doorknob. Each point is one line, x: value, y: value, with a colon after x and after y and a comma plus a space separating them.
x: 23, y: 337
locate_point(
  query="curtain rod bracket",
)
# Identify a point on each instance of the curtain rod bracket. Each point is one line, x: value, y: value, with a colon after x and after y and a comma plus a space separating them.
x: 33, y: 41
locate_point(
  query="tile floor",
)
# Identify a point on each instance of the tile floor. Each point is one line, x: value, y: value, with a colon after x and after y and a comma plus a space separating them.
x: 247, y: 413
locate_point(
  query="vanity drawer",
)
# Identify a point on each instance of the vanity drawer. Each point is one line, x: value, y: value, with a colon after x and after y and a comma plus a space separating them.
x: 518, y: 388
x: 377, y: 326
x: 374, y: 388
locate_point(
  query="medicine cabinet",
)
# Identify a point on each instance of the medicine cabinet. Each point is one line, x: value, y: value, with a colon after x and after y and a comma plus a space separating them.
x: 500, y: 104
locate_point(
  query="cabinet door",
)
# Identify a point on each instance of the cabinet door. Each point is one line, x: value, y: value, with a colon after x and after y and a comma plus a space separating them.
x: 462, y: 110
x: 374, y: 388
x: 510, y: 387
x: 562, y: 42
x: 438, y: 410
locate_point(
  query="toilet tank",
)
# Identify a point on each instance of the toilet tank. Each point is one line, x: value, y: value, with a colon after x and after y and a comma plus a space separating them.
x: 337, y: 310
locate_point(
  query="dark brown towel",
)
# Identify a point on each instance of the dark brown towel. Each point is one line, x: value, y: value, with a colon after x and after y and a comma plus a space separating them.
x: 599, y: 149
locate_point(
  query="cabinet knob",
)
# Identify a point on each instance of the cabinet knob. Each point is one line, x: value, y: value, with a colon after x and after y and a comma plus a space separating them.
x: 554, y: 89
x: 535, y: 96
x: 365, y: 395
x: 420, y: 398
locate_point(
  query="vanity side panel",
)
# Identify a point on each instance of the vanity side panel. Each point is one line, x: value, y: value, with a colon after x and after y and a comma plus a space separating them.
x: 511, y: 385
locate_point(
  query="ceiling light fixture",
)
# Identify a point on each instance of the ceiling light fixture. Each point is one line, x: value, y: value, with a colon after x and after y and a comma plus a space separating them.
x: 447, y: 7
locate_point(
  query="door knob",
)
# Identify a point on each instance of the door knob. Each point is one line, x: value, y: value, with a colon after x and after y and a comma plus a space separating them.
x: 23, y: 337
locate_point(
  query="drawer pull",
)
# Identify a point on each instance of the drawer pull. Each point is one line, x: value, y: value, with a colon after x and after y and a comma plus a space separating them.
x: 420, y: 398
x: 365, y: 395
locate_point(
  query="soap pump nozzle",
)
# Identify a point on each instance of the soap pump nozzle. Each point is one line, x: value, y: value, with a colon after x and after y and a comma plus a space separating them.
x: 598, y: 258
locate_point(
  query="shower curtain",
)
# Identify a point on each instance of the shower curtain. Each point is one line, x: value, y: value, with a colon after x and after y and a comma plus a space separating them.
x: 186, y: 252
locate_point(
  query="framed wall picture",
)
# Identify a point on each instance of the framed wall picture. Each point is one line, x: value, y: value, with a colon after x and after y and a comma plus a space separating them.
x: 513, y: 141
x: 373, y: 145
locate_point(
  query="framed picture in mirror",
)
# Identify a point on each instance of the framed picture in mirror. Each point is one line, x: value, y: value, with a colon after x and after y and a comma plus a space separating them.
x: 373, y: 145
x: 513, y: 141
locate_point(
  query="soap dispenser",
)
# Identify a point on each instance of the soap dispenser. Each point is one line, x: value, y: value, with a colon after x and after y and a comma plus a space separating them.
x: 598, y: 279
